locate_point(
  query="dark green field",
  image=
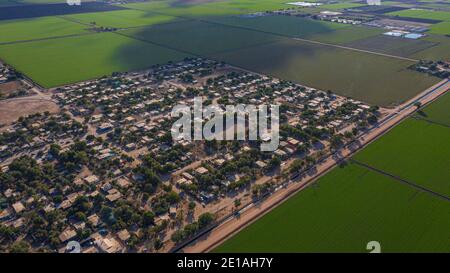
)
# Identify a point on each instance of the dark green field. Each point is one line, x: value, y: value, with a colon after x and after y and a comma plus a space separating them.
x: 372, y: 78
x: 60, y: 61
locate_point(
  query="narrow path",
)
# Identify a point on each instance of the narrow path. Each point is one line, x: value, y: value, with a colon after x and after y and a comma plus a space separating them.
x: 356, y: 49
x: 402, y: 180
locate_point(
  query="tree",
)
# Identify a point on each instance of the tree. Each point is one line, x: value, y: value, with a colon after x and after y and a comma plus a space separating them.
x: 20, y: 247
x: 178, y: 236
x: 205, y: 219
x: 148, y: 218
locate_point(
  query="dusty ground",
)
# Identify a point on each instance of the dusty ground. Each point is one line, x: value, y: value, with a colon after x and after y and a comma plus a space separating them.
x: 11, y: 110
x: 9, y: 87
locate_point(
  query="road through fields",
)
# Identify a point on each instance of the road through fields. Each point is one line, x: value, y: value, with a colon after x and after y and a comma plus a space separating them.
x: 232, y: 225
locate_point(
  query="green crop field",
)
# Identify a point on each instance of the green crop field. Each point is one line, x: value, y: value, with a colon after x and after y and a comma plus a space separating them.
x: 346, y: 35
x: 209, y: 8
x: 200, y: 37
x: 392, y: 45
x: 438, y: 52
x: 122, y: 18
x: 442, y: 28
x: 283, y: 25
x: 345, y: 210
x: 37, y: 28
x: 67, y: 60
x: 339, y: 6
x: 438, y: 111
x: 423, y: 14
x: 417, y: 151
x: 372, y: 78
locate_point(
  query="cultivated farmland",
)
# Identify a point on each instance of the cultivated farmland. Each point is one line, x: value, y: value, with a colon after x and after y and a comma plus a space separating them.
x: 200, y: 37
x: 122, y: 18
x: 417, y: 151
x: 67, y: 60
x: 438, y: 111
x: 37, y: 28
x: 372, y: 78
x: 345, y: 210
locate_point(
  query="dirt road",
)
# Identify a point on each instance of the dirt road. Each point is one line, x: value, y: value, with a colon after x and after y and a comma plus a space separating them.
x: 251, y: 213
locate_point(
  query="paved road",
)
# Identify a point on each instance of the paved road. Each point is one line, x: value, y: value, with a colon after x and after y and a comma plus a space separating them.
x: 232, y: 225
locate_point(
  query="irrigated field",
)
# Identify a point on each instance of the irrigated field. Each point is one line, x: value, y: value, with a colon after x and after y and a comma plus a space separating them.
x: 122, y: 18
x: 67, y: 60
x: 372, y: 78
x: 437, y: 112
x: 417, y: 151
x: 345, y: 210
x: 200, y: 37
x: 37, y: 28
x: 423, y: 14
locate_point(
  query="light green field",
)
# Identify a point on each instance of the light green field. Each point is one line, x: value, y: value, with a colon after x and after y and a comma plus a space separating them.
x: 122, y: 18
x: 346, y: 35
x: 438, y: 111
x: 442, y: 28
x: 371, y: 78
x: 339, y: 6
x: 201, y: 38
x: 417, y: 151
x: 210, y: 8
x: 345, y: 210
x: 67, y: 60
x: 424, y: 14
x: 37, y: 28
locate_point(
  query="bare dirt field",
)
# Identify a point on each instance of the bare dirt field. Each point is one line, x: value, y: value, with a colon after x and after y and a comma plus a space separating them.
x: 9, y: 87
x: 11, y: 110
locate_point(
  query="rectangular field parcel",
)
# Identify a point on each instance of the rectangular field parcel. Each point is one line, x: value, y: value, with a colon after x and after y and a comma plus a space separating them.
x: 200, y: 37
x: 68, y: 60
x: 438, y: 111
x: 368, y: 77
x: 345, y: 210
x: 417, y: 151
x: 37, y: 28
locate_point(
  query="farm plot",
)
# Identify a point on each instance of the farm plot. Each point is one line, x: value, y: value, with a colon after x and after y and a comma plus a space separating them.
x: 346, y: 35
x: 67, y: 60
x: 122, y: 18
x: 284, y: 25
x: 346, y: 209
x: 37, y: 28
x: 41, y: 10
x: 368, y: 77
x: 200, y: 37
x: 417, y: 151
x: 423, y: 14
x: 210, y: 8
x: 392, y: 45
x: 438, y: 52
x: 438, y: 111
x: 442, y: 28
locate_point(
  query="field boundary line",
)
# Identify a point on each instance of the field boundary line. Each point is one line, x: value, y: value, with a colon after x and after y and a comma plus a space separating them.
x: 358, y: 50
x: 400, y: 179
x: 431, y: 121
x: 49, y: 38
x: 286, y: 36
